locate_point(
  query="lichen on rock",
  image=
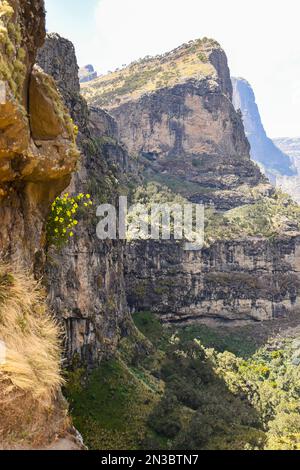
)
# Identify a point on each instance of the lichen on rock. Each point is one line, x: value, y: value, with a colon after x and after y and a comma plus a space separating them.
x: 37, y: 142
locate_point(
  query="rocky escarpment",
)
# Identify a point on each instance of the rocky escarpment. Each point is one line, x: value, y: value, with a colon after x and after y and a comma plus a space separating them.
x: 175, y: 113
x: 230, y: 281
x: 86, y: 278
x: 37, y: 147
x: 37, y: 156
x: 263, y: 150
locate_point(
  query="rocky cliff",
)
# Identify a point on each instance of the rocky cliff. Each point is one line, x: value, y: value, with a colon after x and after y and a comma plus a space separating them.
x: 175, y: 114
x: 38, y: 154
x: 231, y: 281
x: 37, y: 148
x: 86, y: 278
x: 273, y: 160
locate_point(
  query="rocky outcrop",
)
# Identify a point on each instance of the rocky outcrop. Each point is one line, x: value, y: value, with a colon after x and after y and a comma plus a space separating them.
x: 263, y: 150
x: 175, y: 113
x: 37, y: 146
x: 231, y: 281
x: 86, y: 281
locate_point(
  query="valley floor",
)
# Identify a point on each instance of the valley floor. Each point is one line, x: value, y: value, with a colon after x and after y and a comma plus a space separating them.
x: 195, y: 387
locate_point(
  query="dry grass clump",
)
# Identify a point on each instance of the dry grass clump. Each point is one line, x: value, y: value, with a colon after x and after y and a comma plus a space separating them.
x: 30, y: 376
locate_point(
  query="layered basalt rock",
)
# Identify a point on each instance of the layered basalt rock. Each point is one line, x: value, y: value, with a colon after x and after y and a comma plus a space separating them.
x: 231, y: 281
x: 86, y: 281
x: 37, y: 146
x: 175, y: 113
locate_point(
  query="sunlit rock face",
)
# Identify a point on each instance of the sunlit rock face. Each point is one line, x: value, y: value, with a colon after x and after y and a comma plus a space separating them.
x: 175, y: 114
x: 38, y: 154
x: 37, y: 146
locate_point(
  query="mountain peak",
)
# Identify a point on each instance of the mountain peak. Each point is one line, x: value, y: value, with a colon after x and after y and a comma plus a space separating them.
x: 196, y: 60
x: 263, y: 150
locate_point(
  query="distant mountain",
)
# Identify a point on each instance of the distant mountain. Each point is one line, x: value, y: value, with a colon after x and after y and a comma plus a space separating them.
x: 291, y: 147
x: 87, y: 73
x: 263, y: 150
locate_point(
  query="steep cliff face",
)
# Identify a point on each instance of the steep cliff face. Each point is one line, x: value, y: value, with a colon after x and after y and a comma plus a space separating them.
x: 86, y: 279
x: 174, y: 112
x: 263, y: 150
x: 231, y: 281
x: 37, y: 153
x: 37, y: 156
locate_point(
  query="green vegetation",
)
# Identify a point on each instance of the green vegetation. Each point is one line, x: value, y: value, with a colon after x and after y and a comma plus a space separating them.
x: 112, y: 411
x: 191, y: 388
x: 178, y: 185
x: 268, y: 217
x: 152, y: 73
x: 62, y: 221
x: 12, y: 55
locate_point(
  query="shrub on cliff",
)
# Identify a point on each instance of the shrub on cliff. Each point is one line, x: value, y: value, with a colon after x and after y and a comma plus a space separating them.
x: 61, y: 221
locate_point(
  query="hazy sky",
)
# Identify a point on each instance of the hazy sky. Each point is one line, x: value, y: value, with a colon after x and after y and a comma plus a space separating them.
x: 261, y: 39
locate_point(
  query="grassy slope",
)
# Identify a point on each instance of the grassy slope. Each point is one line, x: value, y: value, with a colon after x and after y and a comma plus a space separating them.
x: 112, y: 411
x: 201, y: 398
x: 268, y: 217
x: 189, y: 61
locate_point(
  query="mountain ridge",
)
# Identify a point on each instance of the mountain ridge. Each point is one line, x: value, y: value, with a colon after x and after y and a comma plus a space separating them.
x: 263, y: 149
